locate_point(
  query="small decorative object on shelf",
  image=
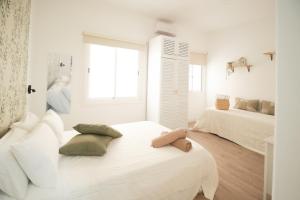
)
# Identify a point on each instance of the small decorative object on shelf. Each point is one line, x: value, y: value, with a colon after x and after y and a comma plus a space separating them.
x: 222, y: 102
x: 230, y: 67
x: 270, y: 54
x: 242, y: 62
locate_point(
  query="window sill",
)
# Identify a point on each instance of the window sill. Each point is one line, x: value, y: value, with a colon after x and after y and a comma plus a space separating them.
x: 196, y: 92
x: 113, y: 101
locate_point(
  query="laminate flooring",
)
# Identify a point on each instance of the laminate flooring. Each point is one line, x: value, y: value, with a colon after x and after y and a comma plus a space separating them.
x: 240, y: 170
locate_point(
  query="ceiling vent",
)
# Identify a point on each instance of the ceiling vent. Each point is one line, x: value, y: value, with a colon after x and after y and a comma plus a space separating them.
x: 165, y: 27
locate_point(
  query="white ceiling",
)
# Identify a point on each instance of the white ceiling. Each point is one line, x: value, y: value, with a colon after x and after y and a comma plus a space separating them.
x: 205, y: 15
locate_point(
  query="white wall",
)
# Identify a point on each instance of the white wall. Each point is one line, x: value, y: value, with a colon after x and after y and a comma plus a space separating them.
x: 250, y: 41
x: 57, y: 27
x: 287, y: 138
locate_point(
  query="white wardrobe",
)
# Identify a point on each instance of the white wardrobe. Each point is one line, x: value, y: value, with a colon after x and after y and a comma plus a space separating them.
x: 167, y: 96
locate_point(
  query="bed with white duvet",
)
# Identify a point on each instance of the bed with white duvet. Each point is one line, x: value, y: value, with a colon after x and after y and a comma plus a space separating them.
x: 131, y: 169
x: 248, y: 129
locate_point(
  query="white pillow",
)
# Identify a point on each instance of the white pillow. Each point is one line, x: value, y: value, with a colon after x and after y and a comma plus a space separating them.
x: 13, y: 180
x: 38, y: 156
x: 55, y: 123
x: 27, y: 122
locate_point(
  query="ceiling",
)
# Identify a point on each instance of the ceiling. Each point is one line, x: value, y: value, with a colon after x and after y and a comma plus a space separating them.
x: 205, y: 15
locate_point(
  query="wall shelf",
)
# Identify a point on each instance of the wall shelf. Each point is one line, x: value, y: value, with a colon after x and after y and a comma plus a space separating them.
x: 270, y: 54
x: 241, y: 62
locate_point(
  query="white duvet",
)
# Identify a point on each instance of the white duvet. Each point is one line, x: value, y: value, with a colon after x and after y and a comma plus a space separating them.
x: 131, y: 170
x: 249, y: 129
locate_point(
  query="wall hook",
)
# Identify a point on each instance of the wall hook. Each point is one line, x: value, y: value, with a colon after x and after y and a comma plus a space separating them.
x: 61, y: 64
x: 30, y: 89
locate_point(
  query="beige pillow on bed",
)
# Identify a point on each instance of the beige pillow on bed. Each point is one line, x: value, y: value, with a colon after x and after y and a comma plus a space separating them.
x: 252, y: 105
x: 245, y: 104
x: 267, y: 107
x: 240, y: 103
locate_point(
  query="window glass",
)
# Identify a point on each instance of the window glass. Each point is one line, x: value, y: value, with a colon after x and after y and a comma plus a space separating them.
x: 113, y: 72
x: 195, y: 77
x: 101, y: 71
x: 127, y: 72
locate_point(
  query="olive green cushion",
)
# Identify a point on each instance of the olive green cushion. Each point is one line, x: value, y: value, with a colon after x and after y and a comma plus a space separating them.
x: 99, y: 129
x: 86, y: 145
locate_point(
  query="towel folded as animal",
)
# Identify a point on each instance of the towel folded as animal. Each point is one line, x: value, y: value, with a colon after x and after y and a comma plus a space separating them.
x: 182, y: 144
x: 175, y: 138
x: 168, y: 138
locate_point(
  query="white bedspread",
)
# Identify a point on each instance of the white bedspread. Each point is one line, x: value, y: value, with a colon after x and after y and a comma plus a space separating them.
x: 131, y: 169
x: 245, y: 128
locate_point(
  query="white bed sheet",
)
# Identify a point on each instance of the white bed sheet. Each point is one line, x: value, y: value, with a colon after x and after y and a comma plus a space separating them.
x: 248, y: 129
x: 131, y: 169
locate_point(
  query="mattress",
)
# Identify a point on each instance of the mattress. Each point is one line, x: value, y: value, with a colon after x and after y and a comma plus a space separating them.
x: 248, y: 129
x: 132, y: 169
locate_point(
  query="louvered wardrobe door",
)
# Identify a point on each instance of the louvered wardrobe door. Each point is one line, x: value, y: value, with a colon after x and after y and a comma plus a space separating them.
x: 182, y: 94
x: 168, y: 93
x: 168, y: 47
x: 182, y: 50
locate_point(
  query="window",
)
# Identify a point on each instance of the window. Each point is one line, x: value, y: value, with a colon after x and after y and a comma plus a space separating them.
x: 113, y: 72
x: 195, y: 78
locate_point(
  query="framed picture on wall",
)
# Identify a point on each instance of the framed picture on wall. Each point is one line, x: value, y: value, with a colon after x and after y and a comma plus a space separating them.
x: 59, y: 83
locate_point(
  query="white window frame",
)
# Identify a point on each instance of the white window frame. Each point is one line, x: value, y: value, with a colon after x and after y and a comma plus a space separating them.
x: 117, y: 100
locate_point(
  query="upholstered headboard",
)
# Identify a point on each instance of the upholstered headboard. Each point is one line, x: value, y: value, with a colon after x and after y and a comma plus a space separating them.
x: 14, y: 26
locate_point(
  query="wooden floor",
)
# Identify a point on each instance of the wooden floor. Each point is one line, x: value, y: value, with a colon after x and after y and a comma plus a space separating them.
x: 240, y: 170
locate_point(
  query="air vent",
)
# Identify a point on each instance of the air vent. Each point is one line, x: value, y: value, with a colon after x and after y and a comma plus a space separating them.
x: 165, y: 27
x: 183, y: 49
x: 168, y: 47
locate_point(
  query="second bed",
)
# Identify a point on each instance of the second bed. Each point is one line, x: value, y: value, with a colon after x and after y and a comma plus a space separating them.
x: 248, y: 129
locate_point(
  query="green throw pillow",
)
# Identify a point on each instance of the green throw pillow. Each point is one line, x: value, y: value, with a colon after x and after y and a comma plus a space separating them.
x: 98, y: 129
x: 86, y: 145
